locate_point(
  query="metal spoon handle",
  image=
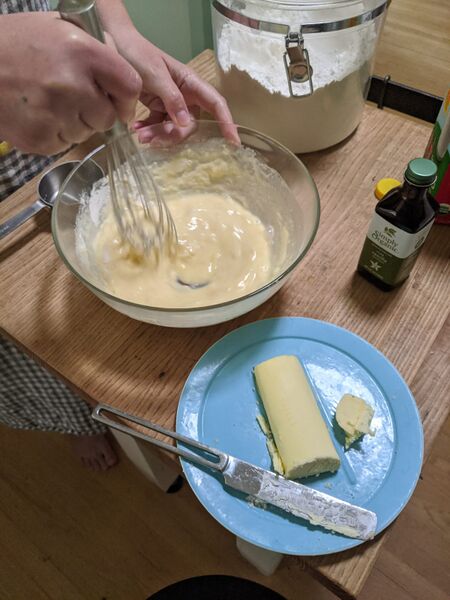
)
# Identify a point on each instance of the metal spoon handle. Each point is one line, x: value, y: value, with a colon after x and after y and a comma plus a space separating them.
x: 11, y: 224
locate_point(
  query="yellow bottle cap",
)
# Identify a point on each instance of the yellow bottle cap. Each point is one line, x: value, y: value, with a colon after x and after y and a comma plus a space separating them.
x: 5, y: 148
x: 384, y: 186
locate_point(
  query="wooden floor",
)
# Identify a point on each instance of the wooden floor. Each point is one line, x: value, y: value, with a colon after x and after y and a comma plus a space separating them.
x: 67, y: 534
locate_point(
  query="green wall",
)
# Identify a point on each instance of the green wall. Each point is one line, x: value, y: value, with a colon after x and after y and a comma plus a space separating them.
x: 180, y: 27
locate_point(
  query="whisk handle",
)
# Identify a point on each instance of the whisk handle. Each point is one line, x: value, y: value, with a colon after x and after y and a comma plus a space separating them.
x: 82, y: 13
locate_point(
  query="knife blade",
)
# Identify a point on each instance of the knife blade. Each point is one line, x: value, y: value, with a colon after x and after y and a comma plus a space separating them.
x: 292, y: 497
x: 300, y: 500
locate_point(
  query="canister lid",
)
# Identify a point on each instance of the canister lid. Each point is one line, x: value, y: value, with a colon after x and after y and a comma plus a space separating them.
x: 421, y: 171
x: 305, y: 2
x: 322, y: 16
x: 384, y: 186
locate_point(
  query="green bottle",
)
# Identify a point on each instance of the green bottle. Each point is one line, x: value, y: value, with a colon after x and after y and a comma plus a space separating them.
x: 400, y: 225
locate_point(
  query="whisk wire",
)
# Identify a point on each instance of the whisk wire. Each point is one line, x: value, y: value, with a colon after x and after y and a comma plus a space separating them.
x: 146, y: 198
x: 131, y: 183
x: 142, y: 216
x: 118, y: 214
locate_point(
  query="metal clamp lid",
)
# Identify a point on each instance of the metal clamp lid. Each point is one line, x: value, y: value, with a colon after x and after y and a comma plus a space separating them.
x: 284, y: 29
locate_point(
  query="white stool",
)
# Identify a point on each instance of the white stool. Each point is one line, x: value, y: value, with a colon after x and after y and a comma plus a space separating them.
x: 264, y: 560
x: 146, y: 459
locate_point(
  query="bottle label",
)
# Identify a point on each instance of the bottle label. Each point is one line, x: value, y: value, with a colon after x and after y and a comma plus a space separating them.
x: 389, y: 252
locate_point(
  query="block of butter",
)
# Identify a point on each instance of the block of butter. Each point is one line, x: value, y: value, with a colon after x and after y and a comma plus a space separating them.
x: 354, y: 415
x: 300, y: 433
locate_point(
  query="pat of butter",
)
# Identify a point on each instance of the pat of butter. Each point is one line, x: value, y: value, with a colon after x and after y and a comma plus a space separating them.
x: 299, y: 431
x: 354, y: 415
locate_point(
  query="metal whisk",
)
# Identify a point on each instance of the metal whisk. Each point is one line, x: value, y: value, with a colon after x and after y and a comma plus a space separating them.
x: 142, y: 216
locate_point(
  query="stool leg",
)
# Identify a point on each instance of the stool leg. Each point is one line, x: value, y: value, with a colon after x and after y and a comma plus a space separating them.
x: 147, y: 461
x: 264, y: 560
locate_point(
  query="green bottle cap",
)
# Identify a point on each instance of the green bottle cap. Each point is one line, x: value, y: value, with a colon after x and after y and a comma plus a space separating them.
x: 421, y: 171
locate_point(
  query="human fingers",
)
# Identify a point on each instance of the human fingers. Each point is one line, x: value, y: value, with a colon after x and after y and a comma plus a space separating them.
x: 198, y: 92
x: 39, y: 138
x: 160, y: 84
x: 99, y: 114
x: 164, y: 133
x: 119, y: 80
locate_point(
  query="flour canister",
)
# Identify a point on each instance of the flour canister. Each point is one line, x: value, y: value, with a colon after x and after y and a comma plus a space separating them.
x: 297, y: 70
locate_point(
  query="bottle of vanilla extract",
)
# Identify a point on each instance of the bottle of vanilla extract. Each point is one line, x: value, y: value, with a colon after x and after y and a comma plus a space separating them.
x: 399, y: 228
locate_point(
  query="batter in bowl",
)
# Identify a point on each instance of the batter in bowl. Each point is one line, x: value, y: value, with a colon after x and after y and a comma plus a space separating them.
x: 223, y: 252
x: 227, y: 205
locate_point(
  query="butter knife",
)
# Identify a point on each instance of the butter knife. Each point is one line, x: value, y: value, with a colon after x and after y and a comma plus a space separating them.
x: 295, y: 498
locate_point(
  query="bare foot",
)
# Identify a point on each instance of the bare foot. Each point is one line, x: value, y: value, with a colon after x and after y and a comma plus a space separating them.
x: 94, y: 451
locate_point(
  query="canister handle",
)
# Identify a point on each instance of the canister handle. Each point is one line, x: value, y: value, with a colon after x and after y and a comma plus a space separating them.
x: 296, y: 63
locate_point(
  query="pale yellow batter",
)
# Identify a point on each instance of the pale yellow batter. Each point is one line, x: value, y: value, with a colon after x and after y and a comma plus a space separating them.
x: 228, y: 207
x: 223, y: 252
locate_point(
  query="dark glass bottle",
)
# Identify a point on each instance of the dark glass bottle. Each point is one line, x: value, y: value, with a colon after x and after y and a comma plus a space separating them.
x: 400, y: 225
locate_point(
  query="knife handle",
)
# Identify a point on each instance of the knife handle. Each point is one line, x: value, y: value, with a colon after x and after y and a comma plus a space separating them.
x: 220, y: 458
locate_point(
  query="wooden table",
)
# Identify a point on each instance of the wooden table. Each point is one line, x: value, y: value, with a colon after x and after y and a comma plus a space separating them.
x: 107, y: 357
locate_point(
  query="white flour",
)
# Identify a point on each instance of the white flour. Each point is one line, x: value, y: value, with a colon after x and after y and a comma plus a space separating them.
x: 253, y: 79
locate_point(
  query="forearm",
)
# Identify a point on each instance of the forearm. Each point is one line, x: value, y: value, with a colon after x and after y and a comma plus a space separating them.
x: 129, y: 42
x: 116, y: 20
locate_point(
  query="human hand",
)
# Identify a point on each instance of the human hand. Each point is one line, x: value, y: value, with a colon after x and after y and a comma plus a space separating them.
x: 58, y: 85
x: 173, y: 92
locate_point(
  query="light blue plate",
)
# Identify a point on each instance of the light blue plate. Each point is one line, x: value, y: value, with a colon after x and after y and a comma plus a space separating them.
x: 219, y: 406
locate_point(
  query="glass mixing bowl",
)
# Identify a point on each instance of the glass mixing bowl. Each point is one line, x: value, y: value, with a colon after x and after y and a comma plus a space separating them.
x: 292, y: 219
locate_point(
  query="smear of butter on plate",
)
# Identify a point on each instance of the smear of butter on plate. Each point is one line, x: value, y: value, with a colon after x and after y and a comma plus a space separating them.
x: 277, y: 463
